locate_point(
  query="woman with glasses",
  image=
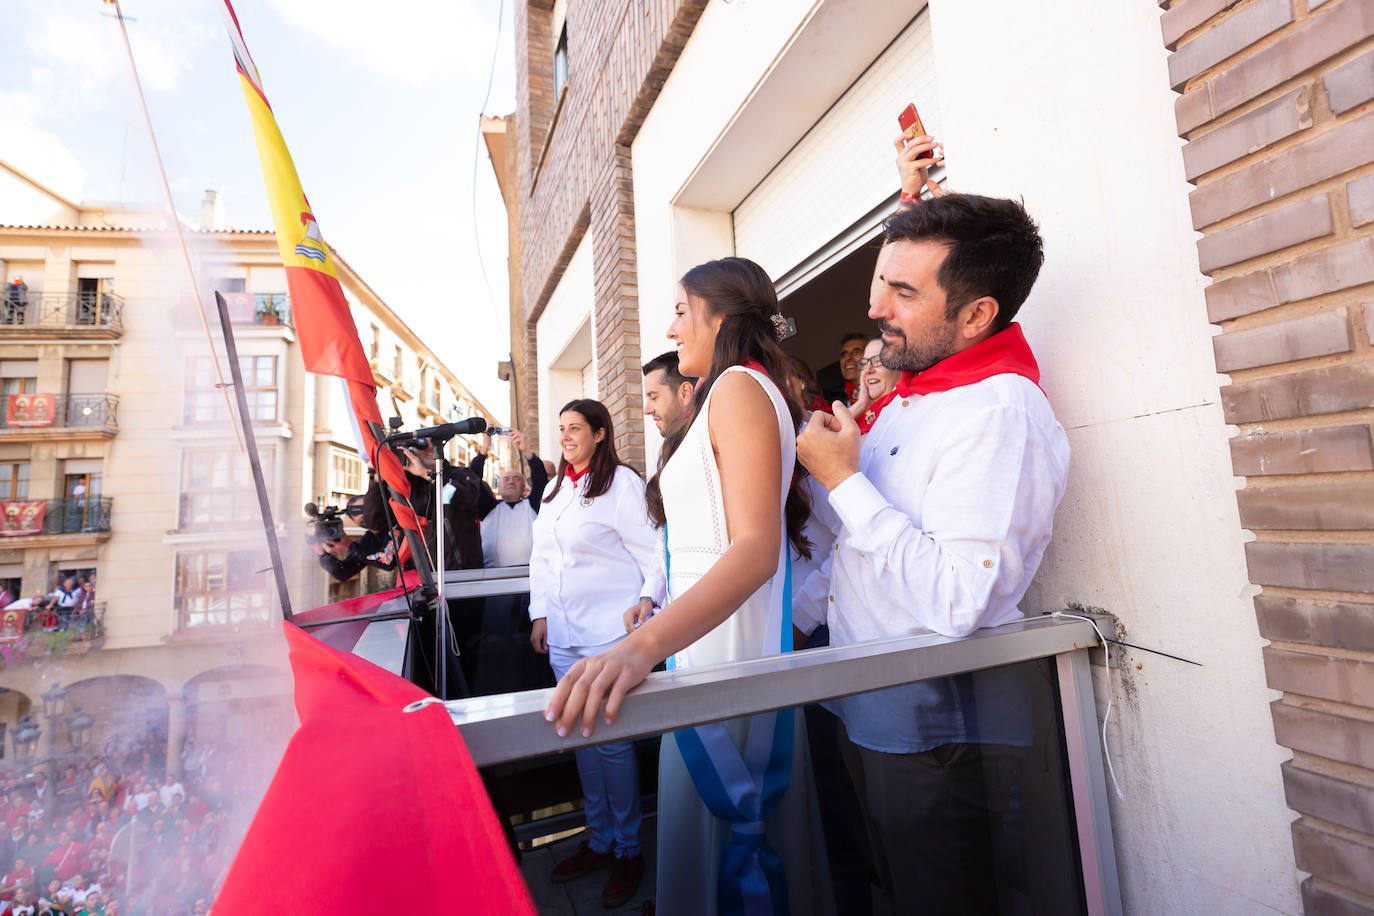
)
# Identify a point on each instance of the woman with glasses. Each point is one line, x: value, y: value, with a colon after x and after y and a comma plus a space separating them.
x: 876, y: 381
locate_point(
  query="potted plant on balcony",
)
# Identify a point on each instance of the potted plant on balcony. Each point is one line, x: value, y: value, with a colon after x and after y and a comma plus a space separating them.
x: 268, y: 311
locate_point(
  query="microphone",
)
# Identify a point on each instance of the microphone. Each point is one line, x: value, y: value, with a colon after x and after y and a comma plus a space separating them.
x: 468, y: 427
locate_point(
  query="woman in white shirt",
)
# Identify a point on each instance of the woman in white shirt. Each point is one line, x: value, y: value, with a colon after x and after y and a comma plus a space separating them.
x: 595, y: 555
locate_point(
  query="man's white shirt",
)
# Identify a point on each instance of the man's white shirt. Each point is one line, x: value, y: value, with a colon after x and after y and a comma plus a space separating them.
x: 593, y: 559
x: 508, y: 534
x: 944, y: 525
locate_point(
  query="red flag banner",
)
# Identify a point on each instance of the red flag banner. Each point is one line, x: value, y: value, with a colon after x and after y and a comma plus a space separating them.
x: 30, y: 409
x: 21, y: 517
x: 373, y: 809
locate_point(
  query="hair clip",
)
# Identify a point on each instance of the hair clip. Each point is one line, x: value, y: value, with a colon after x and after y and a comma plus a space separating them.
x: 780, y: 329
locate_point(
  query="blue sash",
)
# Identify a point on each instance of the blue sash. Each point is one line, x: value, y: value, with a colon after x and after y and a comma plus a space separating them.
x: 745, y: 787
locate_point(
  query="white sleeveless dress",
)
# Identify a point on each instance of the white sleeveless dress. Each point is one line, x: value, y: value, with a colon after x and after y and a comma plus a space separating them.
x: 691, y: 840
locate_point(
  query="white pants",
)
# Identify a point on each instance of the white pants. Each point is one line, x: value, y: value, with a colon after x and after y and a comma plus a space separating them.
x: 609, y: 774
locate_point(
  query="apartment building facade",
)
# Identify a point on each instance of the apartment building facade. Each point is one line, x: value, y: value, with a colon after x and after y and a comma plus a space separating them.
x: 1215, y: 387
x: 120, y: 447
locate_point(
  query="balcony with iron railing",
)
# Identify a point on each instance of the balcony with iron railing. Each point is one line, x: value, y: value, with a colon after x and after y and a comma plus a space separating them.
x: 73, y: 515
x: 44, y: 415
x: 266, y: 309
x: 74, y: 314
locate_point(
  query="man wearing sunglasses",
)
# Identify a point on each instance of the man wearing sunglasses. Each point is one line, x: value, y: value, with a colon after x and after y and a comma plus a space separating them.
x: 344, y: 558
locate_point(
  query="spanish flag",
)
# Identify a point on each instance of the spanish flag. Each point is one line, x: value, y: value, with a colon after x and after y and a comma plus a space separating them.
x: 373, y: 808
x: 324, y: 327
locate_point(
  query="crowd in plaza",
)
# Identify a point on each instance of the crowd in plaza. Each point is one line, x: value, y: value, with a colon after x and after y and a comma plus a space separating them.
x: 118, y: 833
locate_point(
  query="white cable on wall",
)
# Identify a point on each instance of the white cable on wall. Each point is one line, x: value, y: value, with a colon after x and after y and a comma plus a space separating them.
x: 1106, y: 752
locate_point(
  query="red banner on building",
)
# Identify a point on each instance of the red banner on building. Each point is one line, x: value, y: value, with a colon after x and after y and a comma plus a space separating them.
x: 21, y: 518
x: 30, y: 409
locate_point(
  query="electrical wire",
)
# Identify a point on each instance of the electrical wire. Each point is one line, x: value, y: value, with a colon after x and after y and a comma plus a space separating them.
x: 476, y: 159
x: 176, y: 222
x: 1107, y: 646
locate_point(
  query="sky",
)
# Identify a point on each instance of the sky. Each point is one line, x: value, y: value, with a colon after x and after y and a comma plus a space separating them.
x: 378, y: 103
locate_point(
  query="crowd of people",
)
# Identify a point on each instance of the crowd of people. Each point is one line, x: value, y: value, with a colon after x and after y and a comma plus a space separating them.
x: 69, y: 606
x: 118, y: 833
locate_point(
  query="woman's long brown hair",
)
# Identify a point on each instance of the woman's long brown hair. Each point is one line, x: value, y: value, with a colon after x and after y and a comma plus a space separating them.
x: 740, y: 292
x: 604, y: 460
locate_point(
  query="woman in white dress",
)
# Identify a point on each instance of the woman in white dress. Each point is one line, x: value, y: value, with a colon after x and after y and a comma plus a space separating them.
x: 737, y: 825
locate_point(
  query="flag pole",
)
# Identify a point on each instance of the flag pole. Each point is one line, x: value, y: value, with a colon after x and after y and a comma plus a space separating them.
x: 171, y: 206
x: 259, y: 482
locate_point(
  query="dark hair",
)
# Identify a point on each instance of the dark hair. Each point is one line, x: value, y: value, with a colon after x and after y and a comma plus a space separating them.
x: 741, y: 293
x: 604, y: 461
x: 672, y: 374
x: 811, y: 388
x: 994, y: 246
x: 865, y: 336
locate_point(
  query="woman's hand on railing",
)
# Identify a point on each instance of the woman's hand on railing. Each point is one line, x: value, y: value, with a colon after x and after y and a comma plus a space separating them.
x: 606, y: 677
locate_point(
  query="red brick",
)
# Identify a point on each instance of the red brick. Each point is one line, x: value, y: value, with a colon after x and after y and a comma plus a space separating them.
x: 1324, y: 734
x: 1335, y: 267
x: 1303, y: 451
x: 1335, y: 858
x: 1319, y: 38
x: 1336, y: 800
x: 1228, y: 38
x: 1344, y: 506
x: 1318, y: 897
x: 1345, y: 680
x: 1320, y: 334
x: 1240, y: 296
x: 1359, y: 194
x: 1193, y: 108
x: 1186, y: 15
x: 1282, y: 228
x: 1250, y: 133
x: 1324, y: 156
x: 1333, y: 566
x: 1337, y: 624
x: 1350, y: 84
x: 1300, y: 394
x: 1368, y: 309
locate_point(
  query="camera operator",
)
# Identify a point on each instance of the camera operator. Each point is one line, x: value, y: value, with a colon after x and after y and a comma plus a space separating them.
x: 342, y: 557
x: 462, y: 542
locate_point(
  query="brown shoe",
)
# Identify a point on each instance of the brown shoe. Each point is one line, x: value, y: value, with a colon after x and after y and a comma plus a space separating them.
x: 582, y: 862
x: 623, y: 882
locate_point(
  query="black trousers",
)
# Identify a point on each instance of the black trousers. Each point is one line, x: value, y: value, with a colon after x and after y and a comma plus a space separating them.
x: 946, y: 825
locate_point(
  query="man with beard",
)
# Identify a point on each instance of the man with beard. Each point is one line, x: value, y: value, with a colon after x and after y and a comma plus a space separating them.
x: 667, y: 392
x: 945, y: 515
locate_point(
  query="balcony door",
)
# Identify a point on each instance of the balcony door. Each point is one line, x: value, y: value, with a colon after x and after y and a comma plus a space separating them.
x: 85, y: 391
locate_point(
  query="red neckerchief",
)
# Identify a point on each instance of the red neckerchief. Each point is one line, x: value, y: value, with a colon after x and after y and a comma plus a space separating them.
x: 851, y: 391
x: 1005, y: 352
x: 575, y: 476
x: 820, y: 404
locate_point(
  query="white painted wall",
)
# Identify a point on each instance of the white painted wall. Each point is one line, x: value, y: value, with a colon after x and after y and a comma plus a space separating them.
x: 564, y: 343
x: 1149, y: 528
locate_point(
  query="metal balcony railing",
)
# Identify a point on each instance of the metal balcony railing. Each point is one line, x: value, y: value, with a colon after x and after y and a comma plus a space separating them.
x: 77, y: 515
x: 68, y: 311
x: 509, y: 729
x: 98, y: 410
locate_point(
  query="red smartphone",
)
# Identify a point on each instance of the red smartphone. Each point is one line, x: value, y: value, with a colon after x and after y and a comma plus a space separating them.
x: 910, y: 122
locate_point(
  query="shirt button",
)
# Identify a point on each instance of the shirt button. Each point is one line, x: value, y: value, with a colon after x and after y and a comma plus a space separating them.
x: 905, y: 402
x: 987, y: 564
x: 832, y: 599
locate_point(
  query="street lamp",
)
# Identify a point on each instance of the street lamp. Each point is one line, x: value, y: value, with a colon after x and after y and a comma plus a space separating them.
x: 54, y: 701
x: 79, y: 725
x: 25, y: 737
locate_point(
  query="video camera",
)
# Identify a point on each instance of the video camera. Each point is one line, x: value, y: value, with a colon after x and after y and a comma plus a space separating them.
x: 326, y: 524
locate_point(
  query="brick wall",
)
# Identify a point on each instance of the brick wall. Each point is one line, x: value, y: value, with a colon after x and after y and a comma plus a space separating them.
x: 575, y: 176
x: 1277, y: 108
